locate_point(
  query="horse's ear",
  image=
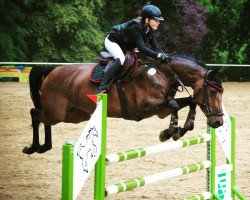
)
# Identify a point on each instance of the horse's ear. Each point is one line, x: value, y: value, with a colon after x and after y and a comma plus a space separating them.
x: 220, y: 72
x: 217, y: 71
x: 215, y: 75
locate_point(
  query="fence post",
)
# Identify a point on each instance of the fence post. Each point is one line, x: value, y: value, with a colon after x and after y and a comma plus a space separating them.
x: 67, y: 171
x: 100, y: 167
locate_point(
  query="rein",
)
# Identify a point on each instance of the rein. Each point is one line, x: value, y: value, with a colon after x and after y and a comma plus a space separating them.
x: 178, y: 79
x: 213, y: 84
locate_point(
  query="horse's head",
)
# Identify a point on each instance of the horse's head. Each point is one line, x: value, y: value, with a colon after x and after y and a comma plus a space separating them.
x: 209, y: 98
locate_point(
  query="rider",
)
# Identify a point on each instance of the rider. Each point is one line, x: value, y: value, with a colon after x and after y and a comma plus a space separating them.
x: 130, y: 35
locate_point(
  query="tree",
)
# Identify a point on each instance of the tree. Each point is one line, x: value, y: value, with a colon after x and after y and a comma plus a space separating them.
x: 184, y: 25
x: 221, y: 42
x: 13, y: 46
x: 64, y: 31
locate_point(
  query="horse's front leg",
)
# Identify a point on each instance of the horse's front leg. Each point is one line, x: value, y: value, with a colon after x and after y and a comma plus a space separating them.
x: 173, y: 127
x: 189, y: 124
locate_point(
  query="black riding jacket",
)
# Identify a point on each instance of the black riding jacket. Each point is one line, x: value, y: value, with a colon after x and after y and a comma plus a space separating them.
x: 133, y: 34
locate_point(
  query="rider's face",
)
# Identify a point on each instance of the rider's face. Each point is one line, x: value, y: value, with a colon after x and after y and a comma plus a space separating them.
x: 153, y: 23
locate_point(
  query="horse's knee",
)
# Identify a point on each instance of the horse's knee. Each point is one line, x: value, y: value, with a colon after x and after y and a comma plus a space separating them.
x: 172, y: 103
x: 192, y: 103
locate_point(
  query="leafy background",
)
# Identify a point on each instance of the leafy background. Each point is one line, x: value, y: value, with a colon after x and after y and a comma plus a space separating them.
x: 213, y: 31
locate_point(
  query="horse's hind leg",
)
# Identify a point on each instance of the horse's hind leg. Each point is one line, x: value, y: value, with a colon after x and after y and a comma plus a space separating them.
x: 36, y: 120
x: 36, y: 116
x: 48, y: 140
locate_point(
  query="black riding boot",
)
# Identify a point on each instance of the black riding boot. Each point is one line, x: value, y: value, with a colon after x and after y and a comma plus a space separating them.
x: 108, y: 76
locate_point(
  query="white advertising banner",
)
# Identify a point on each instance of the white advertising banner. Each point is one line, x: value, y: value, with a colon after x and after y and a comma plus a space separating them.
x: 87, y: 150
x: 223, y: 134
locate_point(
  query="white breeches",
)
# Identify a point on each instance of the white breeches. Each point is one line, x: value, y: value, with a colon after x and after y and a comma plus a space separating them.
x: 115, y: 50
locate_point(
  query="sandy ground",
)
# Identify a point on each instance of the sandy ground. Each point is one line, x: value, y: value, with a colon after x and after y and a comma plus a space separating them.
x: 38, y: 176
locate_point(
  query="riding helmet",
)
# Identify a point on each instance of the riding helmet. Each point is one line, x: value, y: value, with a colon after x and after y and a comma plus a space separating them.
x: 151, y: 12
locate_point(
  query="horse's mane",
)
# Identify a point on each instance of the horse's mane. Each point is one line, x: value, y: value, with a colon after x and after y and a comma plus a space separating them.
x: 201, y: 63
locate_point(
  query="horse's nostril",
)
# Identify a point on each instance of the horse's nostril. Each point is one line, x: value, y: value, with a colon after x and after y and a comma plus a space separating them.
x: 219, y: 123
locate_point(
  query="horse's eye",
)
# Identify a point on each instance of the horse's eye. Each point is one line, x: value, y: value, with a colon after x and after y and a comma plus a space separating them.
x: 213, y: 91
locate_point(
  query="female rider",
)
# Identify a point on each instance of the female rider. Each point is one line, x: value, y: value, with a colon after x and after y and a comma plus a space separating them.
x: 131, y: 35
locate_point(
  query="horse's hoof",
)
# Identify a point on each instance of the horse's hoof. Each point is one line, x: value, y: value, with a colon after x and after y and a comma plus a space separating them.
x: 179, y: 134
x: 43, y: 148
x: 164, y: 135
x: 189, y: 126
x: 176, y: 136
x: 29, y: 150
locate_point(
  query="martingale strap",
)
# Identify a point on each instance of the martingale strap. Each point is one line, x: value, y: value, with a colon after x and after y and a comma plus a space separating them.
x: 125, y: 108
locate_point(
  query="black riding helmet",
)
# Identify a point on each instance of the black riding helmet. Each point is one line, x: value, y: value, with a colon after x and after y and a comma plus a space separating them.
x: 151, y: 12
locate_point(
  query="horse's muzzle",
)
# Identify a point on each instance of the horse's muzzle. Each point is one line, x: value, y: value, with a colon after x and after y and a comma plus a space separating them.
x: 215, y: 121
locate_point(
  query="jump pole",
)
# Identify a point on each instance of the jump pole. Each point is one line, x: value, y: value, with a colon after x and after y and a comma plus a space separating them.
x: 139, y: 182
x: 210, y: 164
x: 211, y: 152
x: 142, y: 152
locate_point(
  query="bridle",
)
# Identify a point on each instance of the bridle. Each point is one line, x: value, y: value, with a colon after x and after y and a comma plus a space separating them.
x: 206, y: 105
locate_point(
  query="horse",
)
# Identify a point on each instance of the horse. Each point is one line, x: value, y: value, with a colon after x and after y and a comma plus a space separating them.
x: 59, y: 95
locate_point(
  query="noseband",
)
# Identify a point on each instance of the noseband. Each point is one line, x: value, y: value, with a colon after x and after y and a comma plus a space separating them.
x: 206, y: 105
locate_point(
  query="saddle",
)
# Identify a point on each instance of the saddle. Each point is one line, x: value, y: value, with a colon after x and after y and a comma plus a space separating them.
x: 128, y: 69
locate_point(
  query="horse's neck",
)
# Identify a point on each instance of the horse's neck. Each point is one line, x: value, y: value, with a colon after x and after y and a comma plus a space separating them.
x: 190, y: 73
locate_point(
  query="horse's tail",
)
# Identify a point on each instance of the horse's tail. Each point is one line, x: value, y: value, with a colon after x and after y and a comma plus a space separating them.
x: 36, y: 77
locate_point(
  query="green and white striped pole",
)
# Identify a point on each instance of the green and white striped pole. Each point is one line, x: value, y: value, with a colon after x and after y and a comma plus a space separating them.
x: 201, y: 196
x: 141, y: 152
x: 139, y: 182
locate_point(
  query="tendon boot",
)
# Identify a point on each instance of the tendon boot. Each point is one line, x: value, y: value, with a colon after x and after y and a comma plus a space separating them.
x: 108, y: 76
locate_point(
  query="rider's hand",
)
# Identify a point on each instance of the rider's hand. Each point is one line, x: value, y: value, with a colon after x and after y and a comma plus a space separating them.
x: 163, y: 56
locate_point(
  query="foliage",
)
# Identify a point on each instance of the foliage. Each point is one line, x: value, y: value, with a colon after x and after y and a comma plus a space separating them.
x: 66, y: 31
x: 215, y: 31
x: 222, y: 42
x: 186, y: 29
x: 12, y: 33
x: 60, y: 31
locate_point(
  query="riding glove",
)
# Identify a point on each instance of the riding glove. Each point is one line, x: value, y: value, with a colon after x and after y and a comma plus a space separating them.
x: 163, y: 56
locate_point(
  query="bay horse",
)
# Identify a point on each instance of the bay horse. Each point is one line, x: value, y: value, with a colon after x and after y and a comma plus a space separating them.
x: 59, y: 95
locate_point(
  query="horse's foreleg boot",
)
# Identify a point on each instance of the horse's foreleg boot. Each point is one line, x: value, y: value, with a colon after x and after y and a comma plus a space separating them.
x: 189, y: 124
